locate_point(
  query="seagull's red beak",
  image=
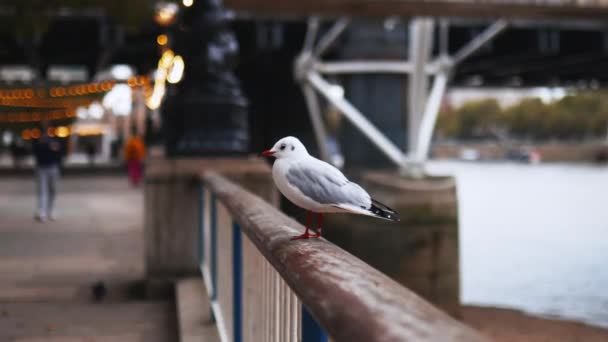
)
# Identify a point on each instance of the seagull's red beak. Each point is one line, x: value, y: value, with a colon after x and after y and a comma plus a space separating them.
x: 267, y: 153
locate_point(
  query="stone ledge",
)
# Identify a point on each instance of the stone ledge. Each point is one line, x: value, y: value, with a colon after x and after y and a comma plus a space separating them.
x: 194, y: 312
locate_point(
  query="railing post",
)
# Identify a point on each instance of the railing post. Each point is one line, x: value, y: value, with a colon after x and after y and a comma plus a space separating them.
x: 201, y: 224
x: 311, y: 330
x: 237, y: 285
x: 213, y: 247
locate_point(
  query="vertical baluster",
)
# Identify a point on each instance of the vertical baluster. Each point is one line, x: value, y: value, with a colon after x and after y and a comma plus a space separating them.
x: 237, y: 284
x: 285, y: 313
x: 297, y: 319
x: 271, y: 303
x: 257, y: 311
x: 311, y: 330
x: 266, y: 301
x: 213, y: 247
x: 280, y: 309
x: 201, y: 222
x: 276, y: 306
x: 269, y: 299
x: 246, y: 292
x: 254, y: 312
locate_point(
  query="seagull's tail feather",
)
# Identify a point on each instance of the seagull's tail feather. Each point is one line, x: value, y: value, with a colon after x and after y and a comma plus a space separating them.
x: 382, y: 211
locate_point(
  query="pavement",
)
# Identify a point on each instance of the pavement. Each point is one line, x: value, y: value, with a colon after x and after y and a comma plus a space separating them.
x: 505, y: 325
x: 48, y: 268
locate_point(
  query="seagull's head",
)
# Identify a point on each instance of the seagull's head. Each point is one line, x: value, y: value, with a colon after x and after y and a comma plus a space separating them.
x: 288, y: 147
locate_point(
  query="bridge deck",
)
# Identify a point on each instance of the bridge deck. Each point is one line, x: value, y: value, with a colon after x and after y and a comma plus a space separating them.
x: 458, y: 8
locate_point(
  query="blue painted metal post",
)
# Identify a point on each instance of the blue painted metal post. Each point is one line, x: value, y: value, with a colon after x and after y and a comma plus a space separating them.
x: 237, y: 285
x: 201, y: 224
x: 214, y: 246
x: 311, y: 330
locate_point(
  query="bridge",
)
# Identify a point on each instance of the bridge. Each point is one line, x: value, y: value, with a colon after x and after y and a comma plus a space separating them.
x: 489, y: 43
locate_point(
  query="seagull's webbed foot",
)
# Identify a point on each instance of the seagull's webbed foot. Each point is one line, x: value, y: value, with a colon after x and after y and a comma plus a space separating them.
x: 303, y: 236
x: 306, y: 235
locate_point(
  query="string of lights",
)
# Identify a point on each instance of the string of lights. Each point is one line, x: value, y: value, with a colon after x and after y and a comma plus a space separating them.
x: 62, y: 102
x: 34, y: 133
x: 57, y: 114
x: 69, y: 91
x: 67, y: 98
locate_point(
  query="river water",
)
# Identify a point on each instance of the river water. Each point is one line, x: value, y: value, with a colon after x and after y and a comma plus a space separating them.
x: 534, y: 237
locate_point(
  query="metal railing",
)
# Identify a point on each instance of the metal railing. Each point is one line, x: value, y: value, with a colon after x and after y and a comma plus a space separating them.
x: 265, y: 287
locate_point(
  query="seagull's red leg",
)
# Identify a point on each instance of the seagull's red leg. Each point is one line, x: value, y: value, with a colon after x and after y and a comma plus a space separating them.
x: 319, y: 226
x: 306, y: 234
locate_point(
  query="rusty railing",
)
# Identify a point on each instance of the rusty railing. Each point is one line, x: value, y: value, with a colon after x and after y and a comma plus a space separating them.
x: 264, y: 287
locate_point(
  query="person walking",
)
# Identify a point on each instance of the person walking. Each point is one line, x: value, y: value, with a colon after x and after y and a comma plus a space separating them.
x: 135, y: 153
x: 91, y: 151
x: 48, y: 154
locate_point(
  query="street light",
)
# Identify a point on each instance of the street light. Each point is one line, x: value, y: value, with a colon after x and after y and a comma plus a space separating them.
x: 166, y: 13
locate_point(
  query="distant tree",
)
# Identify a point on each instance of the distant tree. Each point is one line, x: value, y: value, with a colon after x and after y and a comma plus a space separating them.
x: 577, y: 116
x: 477, y: 119
x: 524, y: 118
x: 448, y: 123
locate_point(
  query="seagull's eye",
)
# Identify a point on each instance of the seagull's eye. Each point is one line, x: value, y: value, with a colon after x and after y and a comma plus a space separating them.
x: 292, y: 147
x: 282, y: 147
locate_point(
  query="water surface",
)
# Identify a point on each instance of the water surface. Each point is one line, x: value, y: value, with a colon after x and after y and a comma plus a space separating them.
x: 534, y: 237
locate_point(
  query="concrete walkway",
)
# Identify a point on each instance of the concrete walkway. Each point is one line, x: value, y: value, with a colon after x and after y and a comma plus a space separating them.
x: 47, y: 269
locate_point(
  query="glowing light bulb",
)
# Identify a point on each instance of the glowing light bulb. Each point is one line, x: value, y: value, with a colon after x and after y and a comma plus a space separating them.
x: 82, y: 112
x: 162, y: 39
x: 95, y: 110
x: 35, y: 133
x: 62, y: 131
x: 177, y: 70
x: 166, y: 13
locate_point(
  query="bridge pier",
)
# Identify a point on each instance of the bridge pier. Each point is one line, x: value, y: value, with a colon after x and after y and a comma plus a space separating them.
x: 420, y: 251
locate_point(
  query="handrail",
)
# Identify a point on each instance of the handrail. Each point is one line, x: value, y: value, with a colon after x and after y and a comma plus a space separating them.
x: 351, y: 300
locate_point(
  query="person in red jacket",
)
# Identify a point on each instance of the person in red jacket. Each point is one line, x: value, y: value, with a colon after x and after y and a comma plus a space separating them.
x: 135, y: 153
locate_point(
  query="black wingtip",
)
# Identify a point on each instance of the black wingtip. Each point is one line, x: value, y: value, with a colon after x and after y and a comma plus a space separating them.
x: 384, y: 212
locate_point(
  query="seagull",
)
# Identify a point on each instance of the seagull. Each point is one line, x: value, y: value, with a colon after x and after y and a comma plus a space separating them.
x: 319, y: 187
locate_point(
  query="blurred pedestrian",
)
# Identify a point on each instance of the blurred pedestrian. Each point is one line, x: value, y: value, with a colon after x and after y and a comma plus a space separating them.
x: 91, y: 151
x: 18, y: 152
x: 135, y: 153
x: 48, y: 153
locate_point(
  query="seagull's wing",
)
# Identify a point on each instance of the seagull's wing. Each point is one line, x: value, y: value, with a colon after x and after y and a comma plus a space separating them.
x: 325, y: 184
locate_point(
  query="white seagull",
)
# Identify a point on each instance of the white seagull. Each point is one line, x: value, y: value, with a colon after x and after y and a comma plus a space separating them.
x: 319, y: 187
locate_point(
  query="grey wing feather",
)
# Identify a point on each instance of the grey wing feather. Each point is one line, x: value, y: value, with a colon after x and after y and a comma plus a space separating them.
x: 327, y: 187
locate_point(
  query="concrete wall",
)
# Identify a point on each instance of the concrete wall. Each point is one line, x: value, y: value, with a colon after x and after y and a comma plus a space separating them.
x: 171, y: 208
